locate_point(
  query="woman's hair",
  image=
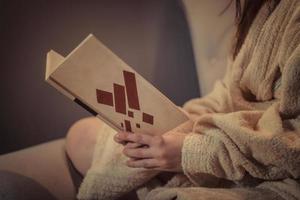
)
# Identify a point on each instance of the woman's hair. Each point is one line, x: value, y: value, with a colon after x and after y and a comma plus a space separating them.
x: 244, y: 18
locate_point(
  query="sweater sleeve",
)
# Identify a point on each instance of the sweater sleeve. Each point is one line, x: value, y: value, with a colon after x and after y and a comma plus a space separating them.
x: 262, y: 143
x: 255, y: 142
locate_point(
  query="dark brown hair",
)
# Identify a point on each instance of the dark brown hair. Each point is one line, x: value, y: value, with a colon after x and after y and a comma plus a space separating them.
x: 244, y: 18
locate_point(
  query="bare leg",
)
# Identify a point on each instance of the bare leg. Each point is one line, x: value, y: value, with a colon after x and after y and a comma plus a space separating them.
x: 80, y: 145
x: 81, y: 141
x: 47, y: 164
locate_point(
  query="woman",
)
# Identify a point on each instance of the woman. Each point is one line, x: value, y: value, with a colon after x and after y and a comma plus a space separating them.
x: 243, y: 136
x: 243, y: 139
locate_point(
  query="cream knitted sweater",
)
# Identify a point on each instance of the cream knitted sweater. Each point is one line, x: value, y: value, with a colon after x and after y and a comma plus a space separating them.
x: 246, y: 132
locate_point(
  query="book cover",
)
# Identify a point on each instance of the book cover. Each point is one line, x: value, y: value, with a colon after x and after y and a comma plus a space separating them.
x: 98, y: 80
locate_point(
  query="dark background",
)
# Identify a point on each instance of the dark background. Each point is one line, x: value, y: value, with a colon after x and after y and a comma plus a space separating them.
x: 150, y: 35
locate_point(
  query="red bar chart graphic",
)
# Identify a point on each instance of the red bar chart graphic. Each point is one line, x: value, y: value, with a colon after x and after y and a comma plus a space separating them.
x: 117, y: 99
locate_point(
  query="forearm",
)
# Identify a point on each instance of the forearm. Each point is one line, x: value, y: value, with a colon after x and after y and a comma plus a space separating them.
x: 231, y: 145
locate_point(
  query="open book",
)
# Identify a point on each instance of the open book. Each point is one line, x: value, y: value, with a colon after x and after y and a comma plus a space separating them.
x: 98, y: 80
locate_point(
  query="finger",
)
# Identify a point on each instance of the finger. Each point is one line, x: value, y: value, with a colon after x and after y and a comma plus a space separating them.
x: 137, y: 137
x: 133, y: 145
x: 143, y: 163
x: 138, y: 152
x: 118, y: 140
x: 121, y: 137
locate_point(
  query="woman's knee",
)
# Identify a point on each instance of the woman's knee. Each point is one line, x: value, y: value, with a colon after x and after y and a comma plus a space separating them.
x: 80, y: 142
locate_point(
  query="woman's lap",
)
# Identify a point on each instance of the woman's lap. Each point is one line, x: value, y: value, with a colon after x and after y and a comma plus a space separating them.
x: 50, y: 166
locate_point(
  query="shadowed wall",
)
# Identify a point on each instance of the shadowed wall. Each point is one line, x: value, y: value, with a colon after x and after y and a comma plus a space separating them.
x: 150, y: 35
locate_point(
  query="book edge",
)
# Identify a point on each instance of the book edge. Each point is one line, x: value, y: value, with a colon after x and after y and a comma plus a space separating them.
x: 54, y: 60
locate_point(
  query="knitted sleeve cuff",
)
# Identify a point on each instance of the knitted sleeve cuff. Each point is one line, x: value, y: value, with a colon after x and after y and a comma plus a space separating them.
x: 196, y: 155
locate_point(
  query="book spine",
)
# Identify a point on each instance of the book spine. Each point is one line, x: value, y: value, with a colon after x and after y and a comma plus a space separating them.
x: 87, y: 108
x: 69, y: 94
x: 94, y: 113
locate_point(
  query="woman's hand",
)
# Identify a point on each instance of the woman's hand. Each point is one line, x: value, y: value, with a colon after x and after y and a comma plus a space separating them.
x: 154, y: 152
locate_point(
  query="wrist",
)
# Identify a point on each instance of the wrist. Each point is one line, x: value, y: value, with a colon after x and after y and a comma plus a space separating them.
x: 195, y: 157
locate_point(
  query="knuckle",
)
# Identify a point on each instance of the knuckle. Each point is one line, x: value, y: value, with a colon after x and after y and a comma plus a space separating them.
x: 162, y: 153
x: 130, y: 164
x: 125, y: 151
x: 130, y: 145
x: 122, y: 136
x: 138, y: 137
x: 117, y: 139
x: 146, y: 164
x: 158, y: 140
x: 163, y: 163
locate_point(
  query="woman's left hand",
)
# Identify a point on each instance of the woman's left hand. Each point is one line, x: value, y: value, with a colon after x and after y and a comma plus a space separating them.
x: 153, y: 152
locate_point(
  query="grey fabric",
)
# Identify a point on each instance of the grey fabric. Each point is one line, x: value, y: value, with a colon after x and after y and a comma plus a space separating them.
x: 17, y: 187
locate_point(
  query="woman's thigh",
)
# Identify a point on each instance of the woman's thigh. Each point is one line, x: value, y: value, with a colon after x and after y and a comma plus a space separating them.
x: 46, y: 164
x: 80, y: 142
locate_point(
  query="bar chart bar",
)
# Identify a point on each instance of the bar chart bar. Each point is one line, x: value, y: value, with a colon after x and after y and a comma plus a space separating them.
x: 127, y: 126
x: 147, y: 118
x: 120, y: 101
x: 131, y: 90
x: 104, y: 97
